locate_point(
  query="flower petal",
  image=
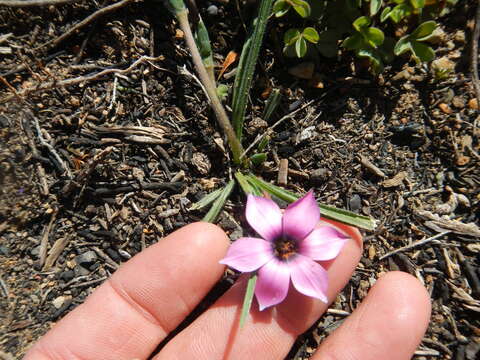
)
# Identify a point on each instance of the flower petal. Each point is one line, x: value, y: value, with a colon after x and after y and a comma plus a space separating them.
x: 301, y: 217
x: 264, y: 216
x: 309, y: 277
x: 322, y: 244
x: 272, y: 283
x: 248, y: 254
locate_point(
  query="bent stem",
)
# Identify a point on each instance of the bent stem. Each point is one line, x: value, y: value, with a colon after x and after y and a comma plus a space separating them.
x: 220, y: 113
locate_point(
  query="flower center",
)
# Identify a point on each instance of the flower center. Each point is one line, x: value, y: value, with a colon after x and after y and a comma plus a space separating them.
x: 284, y: 248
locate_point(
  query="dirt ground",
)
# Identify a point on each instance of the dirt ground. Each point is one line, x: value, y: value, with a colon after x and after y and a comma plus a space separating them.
x: 83, y: 186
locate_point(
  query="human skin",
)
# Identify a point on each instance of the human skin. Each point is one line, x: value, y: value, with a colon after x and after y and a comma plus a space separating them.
x: 150, y: 295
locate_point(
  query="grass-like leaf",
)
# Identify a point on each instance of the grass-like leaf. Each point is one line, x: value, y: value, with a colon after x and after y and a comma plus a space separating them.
x: 246, y: 186
x: 247, y: 300
x: 206, y: 200
x: 219, y: 202
x: 246, y: 66
x: 205, y: 48
x: 271, y: 104
x: 327, y: 211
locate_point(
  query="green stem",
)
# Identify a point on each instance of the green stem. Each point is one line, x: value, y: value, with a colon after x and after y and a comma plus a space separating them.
x: 220, y: 113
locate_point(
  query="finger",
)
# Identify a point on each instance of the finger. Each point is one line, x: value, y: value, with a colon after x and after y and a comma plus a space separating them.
x: 265, y: 335
x: 143, y: 301
x: 389, y: 324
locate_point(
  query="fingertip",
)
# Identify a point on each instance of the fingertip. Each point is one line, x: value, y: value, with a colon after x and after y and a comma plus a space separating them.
x: 207, y: 235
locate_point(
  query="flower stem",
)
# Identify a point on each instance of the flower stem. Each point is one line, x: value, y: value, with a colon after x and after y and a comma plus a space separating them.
x: 220, y: 113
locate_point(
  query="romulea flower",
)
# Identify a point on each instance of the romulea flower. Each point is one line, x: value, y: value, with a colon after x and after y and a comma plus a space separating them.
x: 289, y: 249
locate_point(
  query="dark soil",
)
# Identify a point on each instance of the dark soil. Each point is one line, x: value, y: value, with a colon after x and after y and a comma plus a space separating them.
x: 400, y: 148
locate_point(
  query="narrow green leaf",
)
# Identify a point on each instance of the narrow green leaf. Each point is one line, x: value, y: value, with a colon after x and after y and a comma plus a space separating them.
x: 246, y: 185
x: 175, y: 5
x: 300, y: 47
x: 258, y: 158
x: 246, y: 67
x: 424, y: 31
x: 327, y: 211
x: 205, y: 48
x: 281, y: 7
x: 311, y: 35
x: 248, y: 299
x: 271, y: 104
x: 219, y: 202
x: 263, y: 143
x: 375, y: 6
x: 361, y: 22
x: 206, y: 200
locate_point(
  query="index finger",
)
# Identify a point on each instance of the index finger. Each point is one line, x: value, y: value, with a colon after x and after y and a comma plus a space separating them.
x: 126, y: 317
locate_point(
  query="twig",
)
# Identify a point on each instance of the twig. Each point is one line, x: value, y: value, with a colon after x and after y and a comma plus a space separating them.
x: 56, y: 250
x: 29, y: 3
x: 57, y: 159
x: 474, y: 61
x: 81, y: 79
x: 44, y: 242
x: 74, y: 29
x: 172, y: 186
x: 415, y: 244
x: 270, y: 129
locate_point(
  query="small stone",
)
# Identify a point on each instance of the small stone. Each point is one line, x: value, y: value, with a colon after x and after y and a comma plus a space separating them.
x: 212, y: 10
x: 445, y: 108
x: 355, y: 202
x: 372, y: 252
x: 459, y: 36
x: 201, y: 163
x: 458, y: 102
x: 80, y: 271
x: 319, y: 176
x: 35, y: 251
x: 462, y: 160
x: 58, y: 302
x: 67, y: 275
x: 87, y: 258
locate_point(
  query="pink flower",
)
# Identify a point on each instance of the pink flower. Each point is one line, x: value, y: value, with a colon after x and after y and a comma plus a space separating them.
x: 290, y: 244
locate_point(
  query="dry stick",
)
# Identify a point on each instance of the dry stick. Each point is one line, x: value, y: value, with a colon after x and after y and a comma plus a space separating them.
x: 86, y: 21
x: 56, y: 250
x: 44, y: 242
x: 222, y: 117
x: 80, y: 79
x: 474, y: 62
x: 28, y: 3
x: 415, y: 244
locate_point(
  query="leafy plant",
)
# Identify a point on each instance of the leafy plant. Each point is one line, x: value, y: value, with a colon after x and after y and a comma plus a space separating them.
x: 293, y: 38
x: 414, y: 43
x: 281, y: 7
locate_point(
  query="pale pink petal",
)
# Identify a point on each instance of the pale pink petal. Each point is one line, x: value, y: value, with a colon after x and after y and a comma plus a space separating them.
x: 272, y: 283
x: 248, y: 254
x: 322, y: 244
x: 301, y: 217
x: 264, y: 216
x: 309, y: 277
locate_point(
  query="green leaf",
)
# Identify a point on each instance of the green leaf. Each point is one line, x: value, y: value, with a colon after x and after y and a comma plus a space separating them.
x: 300, y: 47
x: 247, y: 300
x: 375, y: 6
x: 263, y: 143
x: 418, y: 4
x: 258, y: 158
x: 374, y: 35
x: 281, y: 7
x: 311, y: 35
x: 175, y: 6
x: 246, y: 67
x: 219, y: 202
x: 291, y: 35
x: 361, y: 22
x: 222, y: 91
x: 206, y: 200
x: 402, y: 46
x: 301, y: 7
x: 424, y: 31
x: 422, y: 52
x: 247, y: 186
x: 327, y: 211
x: 271, y: 104
x: 374, y: 57
x: 399, y: 12
x: 385, y: 14
x: 354, y: 42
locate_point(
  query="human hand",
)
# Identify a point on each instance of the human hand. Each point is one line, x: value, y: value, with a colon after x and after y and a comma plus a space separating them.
x: 150, y: 295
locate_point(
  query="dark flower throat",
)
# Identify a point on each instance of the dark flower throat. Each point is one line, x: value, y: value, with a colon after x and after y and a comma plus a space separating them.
x: 284, y: 248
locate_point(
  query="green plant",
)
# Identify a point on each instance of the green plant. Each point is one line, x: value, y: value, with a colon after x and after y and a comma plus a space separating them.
x: 378, y: 30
